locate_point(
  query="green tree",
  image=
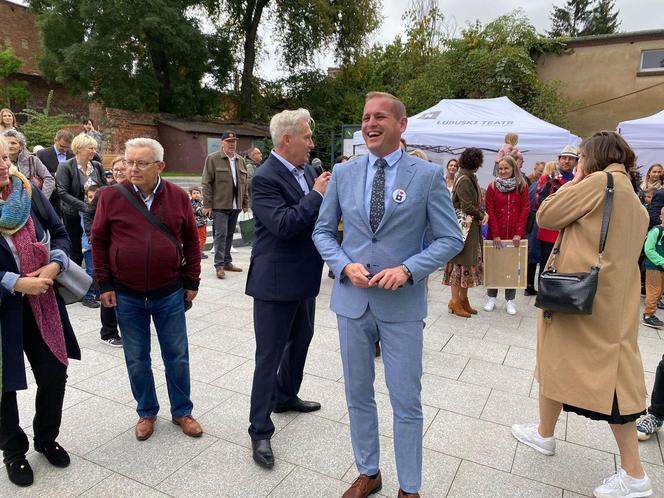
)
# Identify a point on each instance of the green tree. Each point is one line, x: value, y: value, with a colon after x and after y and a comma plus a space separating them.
x: 604, y: 18
x: 142, y: 56
x: 12, y: 92
x: 584, y: 18
x: 570, y: 19
x: 41, y: 126
x: 302, y: 27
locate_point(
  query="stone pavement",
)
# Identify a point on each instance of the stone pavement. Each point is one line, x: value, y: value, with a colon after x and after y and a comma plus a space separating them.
x: 477, y: 382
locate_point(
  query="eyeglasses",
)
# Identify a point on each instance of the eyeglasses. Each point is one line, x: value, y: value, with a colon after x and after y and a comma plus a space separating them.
x: 138, y: 164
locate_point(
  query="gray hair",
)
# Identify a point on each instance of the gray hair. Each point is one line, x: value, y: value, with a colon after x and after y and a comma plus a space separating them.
x: 20, y: 137
x: 288, y: 122
x: 157, y: 148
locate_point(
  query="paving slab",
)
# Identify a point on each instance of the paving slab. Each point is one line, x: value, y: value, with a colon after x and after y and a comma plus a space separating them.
x: 225, y: 470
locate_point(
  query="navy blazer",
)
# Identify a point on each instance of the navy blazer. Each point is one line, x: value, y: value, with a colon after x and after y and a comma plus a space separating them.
x: 285, y: 265
x: 11, y: 308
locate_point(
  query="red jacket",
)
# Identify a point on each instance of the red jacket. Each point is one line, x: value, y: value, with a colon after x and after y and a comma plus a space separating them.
x: 546, y: 186
x: 133, y: 256
x: 508, y: 212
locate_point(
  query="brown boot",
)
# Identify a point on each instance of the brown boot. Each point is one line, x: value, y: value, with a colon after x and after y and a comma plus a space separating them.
x: 467, y: 307
x: 403, y: 494
x: 145, y: 427
x: 456, y: 308
x: 364, y: 486
x: 189, y: 425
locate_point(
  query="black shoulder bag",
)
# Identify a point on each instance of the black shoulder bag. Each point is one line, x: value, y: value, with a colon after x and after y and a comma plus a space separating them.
x: 155, y: 222
x: 574, y: 293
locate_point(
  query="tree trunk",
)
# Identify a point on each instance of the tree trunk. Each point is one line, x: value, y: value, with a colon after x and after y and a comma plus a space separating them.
x: 252, y: 19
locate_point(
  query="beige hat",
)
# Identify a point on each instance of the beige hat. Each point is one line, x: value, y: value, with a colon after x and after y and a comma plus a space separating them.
x: 570, y: 151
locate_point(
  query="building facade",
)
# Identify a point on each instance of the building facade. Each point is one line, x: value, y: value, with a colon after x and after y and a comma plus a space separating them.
x: 609, y: 78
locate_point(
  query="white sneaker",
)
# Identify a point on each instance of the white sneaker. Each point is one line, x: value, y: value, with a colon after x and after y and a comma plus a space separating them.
x: 490, y: 304
x: 529, y: 435
x: 621, y: 485
x: 510, y: 307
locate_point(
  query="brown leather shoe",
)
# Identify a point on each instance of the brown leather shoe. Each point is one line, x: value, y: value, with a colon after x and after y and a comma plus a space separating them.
x: 220, y: 272
x: 364, y: 486
x: 189, y: 425
x: 403, y: 494
x: 145, y: 427
x: 232, y: 267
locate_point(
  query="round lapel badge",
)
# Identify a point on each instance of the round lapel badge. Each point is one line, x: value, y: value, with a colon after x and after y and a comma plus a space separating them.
x: 399, y: 196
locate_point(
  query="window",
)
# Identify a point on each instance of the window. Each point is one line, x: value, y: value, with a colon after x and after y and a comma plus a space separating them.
x: 24, y: 44
x: 652, y: 60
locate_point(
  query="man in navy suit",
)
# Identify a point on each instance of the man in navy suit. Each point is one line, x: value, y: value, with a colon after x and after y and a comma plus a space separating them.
x: 59, y: 152
x: 284, y: 275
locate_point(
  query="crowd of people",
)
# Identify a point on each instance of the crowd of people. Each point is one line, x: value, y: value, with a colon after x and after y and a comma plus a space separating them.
x: 382, y: 222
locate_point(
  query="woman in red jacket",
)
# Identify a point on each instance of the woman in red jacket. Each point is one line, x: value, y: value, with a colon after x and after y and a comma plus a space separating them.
x: 507, y: 204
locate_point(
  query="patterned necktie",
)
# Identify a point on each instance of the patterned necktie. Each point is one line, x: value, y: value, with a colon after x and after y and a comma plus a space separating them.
x: 377, y: 207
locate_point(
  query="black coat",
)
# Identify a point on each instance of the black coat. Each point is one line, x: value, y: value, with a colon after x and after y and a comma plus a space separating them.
x: 285, y: 265
x: 11, y: 308
x: 655, y: 208
x: 49, y: 157
x: 69, y: 186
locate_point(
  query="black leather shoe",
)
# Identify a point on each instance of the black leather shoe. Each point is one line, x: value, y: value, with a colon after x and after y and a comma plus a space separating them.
x: 54, y: 453
x: 530, y: 291
x: 297, y: 405
x: 262, y: 453
x: 20, y: 472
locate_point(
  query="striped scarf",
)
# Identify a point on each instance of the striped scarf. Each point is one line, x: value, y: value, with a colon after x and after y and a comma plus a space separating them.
x: 32, y: 256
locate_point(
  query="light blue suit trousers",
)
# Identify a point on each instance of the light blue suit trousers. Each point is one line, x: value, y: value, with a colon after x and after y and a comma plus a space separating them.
x: 402, y: 358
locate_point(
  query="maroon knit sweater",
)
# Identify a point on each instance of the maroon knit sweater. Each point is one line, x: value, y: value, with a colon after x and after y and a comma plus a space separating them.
x: 132, y: 256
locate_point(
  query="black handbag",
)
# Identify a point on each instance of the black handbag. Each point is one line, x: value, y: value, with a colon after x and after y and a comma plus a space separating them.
x: 574, y: 293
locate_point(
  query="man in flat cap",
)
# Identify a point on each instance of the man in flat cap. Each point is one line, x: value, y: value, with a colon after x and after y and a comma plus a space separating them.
x: 225, y: 193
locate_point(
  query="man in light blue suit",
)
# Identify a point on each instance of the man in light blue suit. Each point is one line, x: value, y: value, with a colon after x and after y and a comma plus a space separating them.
x: 386, y: 199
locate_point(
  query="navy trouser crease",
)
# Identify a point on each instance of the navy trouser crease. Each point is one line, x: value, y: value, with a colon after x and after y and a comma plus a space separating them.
x: 283, y: 330
x: 51, y: 377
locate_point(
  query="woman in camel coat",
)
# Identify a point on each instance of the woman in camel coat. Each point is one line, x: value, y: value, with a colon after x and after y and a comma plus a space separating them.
x: 591, y: 364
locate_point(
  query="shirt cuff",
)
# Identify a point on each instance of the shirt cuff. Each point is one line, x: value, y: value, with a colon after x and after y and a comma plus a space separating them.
x: 60, y: 257
x: 9, y: 281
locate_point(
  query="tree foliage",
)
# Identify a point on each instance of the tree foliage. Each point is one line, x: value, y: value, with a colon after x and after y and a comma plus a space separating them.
x: 142, y: 56
x: 12, y: 93
x: 41, y: 126
x: 584, y: 18
x: 486, y: 61
x: 301, y: 29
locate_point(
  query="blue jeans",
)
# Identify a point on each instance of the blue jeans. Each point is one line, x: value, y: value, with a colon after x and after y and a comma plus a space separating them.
x: 134, y: 321
x: 90, y: 270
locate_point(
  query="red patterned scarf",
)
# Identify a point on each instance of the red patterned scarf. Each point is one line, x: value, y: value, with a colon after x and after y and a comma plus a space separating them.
x: 32, y: 256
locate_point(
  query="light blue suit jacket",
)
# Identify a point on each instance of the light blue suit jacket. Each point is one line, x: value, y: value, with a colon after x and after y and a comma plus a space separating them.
x: 398, y: 239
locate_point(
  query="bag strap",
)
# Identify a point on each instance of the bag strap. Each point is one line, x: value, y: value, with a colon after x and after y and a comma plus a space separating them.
x: 604, y: 231
x: 152, y: 219
x: 608, y: 207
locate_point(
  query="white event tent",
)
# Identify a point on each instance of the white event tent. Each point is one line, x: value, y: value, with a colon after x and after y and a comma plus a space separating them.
x: 646, y: 137
x: 446, y: 129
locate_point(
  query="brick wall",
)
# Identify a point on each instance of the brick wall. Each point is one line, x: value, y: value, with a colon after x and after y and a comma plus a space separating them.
x: 120, y: 126
x: 20, y: 32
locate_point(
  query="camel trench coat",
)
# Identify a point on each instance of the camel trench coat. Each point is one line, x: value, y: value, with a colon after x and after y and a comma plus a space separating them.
x: 582, y: 360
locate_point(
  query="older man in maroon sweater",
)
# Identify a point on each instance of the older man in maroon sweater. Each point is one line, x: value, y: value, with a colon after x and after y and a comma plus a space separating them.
x: 148, y: 270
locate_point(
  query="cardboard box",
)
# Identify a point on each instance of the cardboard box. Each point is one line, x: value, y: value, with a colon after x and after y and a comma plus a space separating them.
x: 505, y: 268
